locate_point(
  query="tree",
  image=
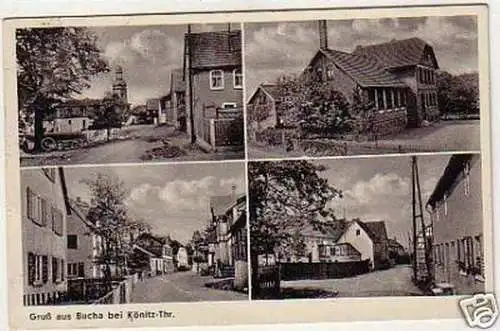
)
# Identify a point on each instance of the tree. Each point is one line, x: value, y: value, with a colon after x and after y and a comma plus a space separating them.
x: 316, y: 106
x: 285, y: 197
x: 458, y: 94
x: 107, y: 211
x: 109, y: 115
x: 53, y: 64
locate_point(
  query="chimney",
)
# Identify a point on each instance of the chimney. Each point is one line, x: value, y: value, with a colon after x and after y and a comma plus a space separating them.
x: 323, y: 34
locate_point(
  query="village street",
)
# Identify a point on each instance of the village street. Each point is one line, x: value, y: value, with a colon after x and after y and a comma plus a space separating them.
x: 137, y: 140
x: 180, y: 287
x: 392, y: 282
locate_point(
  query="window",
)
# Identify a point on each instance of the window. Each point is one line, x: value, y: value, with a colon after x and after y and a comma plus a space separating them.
x: 422, y: 100
x: 84, y: 124
x: 34, y: 207
x: 237, y: 79
x: 216, y: 80
x: 467, y: 179
x: 57, y: 221
x: 229, y: 105
x: 262, y: 98
x: 69, y: 122
x: 72, y: 241
x: 445, y: 203
x: 81, y: 269
x: 358, y: 232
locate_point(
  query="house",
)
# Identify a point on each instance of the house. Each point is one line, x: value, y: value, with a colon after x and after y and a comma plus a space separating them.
x: 82, y: 243
x: 262, y: 107
x: 177, y: 116
x: 152, y: 111
x: 230, y: 228
x: 182, y: 259
x: 44, y: 235
x: 395, y: 248
x: 155, y: 250
x: 457, y: 229
x: 414, y: 62
x: 214, y: 88
x: 76, y: 115
x: 363, y: 78
x: 369, y: 239
x: 318, y: 243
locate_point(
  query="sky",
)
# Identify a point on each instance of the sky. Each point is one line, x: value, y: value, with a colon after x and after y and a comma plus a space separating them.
x: 147, y: 54
x: 275, y: 49
x: 379, y: 188
x: 172, y: 198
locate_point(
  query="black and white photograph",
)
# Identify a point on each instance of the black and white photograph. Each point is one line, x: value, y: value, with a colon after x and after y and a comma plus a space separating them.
x: 121, y: 94
x: 362, y: 86
x: 134, y: 234
x: 368, y: 227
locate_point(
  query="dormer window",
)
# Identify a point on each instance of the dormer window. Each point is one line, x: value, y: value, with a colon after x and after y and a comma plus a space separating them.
x: 237, y: 79
x: 216, y: 80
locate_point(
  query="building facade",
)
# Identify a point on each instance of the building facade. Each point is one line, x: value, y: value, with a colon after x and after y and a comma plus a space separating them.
x: 456, y: 214
x: 414, y: 62
x: 44, y: 235
x: 214, y: 87
x: 261, y: 108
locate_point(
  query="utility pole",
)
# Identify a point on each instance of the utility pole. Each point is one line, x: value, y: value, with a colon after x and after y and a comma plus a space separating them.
x: 190, y: 83
x: 414, y: 224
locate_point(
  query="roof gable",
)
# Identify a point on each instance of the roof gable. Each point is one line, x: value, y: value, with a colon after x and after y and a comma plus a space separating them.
x: 271, y: 90
x: 214, y: 49
x: 397, y: 53
x: 364, y: 70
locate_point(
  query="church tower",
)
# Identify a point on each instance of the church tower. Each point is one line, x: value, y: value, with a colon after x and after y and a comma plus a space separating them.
x: 119, y: 85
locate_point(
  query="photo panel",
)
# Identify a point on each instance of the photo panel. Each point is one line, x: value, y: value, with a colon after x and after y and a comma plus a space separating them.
x: 134, y: 234
x: 367, y: 227
x: 128, y: 94
x: 362, y: 86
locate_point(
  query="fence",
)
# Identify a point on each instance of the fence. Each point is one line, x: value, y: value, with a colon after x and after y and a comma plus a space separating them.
x: 323, y: 270
x: 223, y: 132
x: 121, y: 292
x: 94, y: 136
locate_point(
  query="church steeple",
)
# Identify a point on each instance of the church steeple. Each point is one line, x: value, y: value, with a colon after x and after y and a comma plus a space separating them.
x: 119, y: 85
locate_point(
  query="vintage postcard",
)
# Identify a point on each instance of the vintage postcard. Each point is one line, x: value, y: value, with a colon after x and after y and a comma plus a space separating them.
x: 249, y: 167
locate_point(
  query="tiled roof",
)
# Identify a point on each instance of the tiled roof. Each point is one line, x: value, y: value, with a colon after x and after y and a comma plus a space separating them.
x: 396, y: 53
x: 177, y: 81
x: 364, y: 70
x: 330, y: 229
x: 375, y: 230
x: 215, y: 49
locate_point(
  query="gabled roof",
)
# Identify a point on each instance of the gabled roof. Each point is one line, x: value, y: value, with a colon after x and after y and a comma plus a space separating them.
x: 177, y: 83
x: 375, y: 230
x: 215, y: 49
x: 222, y: 203
x: 365, y: 71
x: 332, y: 230
x: 147, y: 251
x: 397, y: 53
x: 270, y: 89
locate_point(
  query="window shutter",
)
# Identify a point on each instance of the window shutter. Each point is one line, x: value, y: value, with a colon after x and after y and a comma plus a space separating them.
x: 45, y: 269
x: 29, y: 203
x: 62, y: 269
x: 31, y: 268
x: 54, y: 269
